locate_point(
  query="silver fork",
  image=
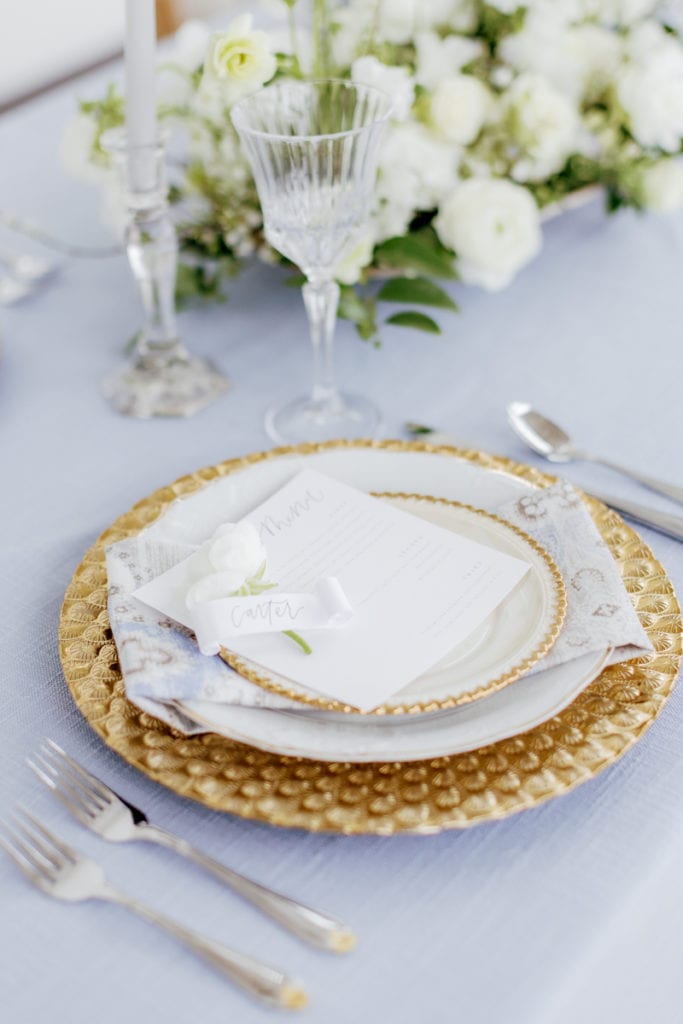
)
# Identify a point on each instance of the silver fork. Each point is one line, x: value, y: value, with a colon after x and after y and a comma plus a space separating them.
x: 60, y: 871
x: 103, y: 811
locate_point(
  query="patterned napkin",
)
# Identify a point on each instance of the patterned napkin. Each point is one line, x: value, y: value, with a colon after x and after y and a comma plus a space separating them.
x: 161, y: 663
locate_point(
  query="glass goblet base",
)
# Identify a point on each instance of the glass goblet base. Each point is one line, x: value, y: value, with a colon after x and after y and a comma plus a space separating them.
x: 305, y: 419
x: 151, y: 386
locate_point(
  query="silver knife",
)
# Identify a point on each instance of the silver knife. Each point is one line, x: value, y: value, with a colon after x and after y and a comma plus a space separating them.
x: 663, y: 522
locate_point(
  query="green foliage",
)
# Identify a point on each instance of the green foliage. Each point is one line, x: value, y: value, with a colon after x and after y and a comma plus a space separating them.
x: 197, y: 284
x: 106, y: 114
x: 494, y: 25
x: 418, y: 290
x: 419, y: 252
x: 361, y: 309
x: 418, y: 321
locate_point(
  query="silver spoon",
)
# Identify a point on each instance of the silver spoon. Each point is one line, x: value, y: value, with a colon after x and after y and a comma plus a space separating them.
x: 549, y: 440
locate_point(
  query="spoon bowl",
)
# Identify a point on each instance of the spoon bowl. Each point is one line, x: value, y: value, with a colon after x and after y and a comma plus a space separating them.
x: 549, y: 440
x: 541, y: 434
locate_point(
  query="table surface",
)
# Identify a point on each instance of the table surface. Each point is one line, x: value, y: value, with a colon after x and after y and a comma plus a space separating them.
x: 572, y: 911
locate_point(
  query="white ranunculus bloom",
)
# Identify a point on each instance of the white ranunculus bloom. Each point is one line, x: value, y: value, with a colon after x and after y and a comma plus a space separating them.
x: 542, y: 47
x: 545, y: 125
x: 239, y: 59
x: 75, y: 150
x: 237, y: 546
x: 355, y: 260
x: 416, y: 168
x: 396, y: 82
x: 618, y: 12
x: 662, y: 186
x: 652, y: 98
x: 395, y: 20
x: 493, y: 227
x: 596, y: 53
x: 459, y: 107
x: 436, y: 58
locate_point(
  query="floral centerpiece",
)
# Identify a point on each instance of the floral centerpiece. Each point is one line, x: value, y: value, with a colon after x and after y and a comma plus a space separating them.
x: 502, y: 113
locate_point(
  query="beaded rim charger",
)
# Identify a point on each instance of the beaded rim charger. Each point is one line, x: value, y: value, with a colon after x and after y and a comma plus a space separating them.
x: 604, y: 721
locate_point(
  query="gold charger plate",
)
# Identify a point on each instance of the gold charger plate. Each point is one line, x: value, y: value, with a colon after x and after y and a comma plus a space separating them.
x: 383, y: 798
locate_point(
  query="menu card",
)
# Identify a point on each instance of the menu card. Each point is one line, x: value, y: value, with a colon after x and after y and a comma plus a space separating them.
x: 416, y: 589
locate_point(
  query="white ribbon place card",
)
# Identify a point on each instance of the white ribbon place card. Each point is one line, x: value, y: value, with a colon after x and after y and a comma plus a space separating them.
x: 219, y: 622
x: 416, y: 589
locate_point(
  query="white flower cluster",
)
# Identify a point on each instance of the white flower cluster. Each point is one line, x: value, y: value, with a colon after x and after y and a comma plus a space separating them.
x: 496, y: 102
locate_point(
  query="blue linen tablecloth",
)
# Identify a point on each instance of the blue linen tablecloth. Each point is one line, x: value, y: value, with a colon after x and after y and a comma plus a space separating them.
x: 572, y: 911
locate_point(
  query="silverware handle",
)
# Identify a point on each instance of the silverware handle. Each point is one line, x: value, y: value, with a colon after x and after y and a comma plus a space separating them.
x: 267, y: 983
x: 660, y: 486
x: 663, y: 522
x: 314, y: 926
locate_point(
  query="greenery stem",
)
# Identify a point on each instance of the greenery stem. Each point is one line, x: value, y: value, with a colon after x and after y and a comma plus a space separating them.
x: 298, y: 640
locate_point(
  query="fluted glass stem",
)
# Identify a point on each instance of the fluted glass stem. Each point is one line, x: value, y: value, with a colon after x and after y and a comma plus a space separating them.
x: 321, y: 300
x: 152, y: 250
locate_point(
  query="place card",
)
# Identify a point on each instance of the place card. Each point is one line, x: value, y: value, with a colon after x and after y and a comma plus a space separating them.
x: 416, y: 589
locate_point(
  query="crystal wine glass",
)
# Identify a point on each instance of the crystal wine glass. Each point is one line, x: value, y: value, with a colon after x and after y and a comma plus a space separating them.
x: 313, y: 148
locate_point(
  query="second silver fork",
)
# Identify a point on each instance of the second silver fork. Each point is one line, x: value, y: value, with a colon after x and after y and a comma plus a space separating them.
x: 103, y: 811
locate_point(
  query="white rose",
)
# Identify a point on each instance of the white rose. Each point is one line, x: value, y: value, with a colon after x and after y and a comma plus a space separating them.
x: 240, y: 59
x: 544, y: 124
x: 459, y: 107
x: 355, y: 260
x: 394, y: 81
x: 493, y: 227
x: 662, y: 186
x: 652, y: 98
x: 438, y: 58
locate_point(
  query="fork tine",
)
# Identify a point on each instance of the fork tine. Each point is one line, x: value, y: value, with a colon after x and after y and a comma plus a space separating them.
x: 64, y: 772
x: 74, y: 800
x: 58, y: 843
x: 23, y: 866
x: 95, y: 784
x: 42, y: 866
x: 39, y: 846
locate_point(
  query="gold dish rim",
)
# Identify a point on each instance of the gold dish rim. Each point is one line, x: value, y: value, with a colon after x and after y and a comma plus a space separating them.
x: 559, y: 597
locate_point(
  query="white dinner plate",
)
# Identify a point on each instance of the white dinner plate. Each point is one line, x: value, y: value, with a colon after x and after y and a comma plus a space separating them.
x: 309, y: 733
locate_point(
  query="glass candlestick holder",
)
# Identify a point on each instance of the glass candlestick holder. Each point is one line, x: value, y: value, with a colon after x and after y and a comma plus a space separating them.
x: 161, y: 378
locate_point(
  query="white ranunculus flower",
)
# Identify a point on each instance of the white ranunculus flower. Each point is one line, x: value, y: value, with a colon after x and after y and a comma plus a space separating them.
x: 652, y: 98
x: 545, y: 125
x: 597, y: 54
x: 416, y: 169
x: 436, y: 58
x: 618, y: 12
x: 237, y: 546
x: 239, y: 59
x: 662, y: 186
x: 75, y: 150
x: 355, y: 259
x: 542, y: 47
x: 396, y: 82
x: 174, y: 73
x: 459, y: 107
x: 493, y: 227
x: 396, y: 20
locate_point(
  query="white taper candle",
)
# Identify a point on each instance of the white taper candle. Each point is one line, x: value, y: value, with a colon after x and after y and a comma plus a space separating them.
x: 140, y: 64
